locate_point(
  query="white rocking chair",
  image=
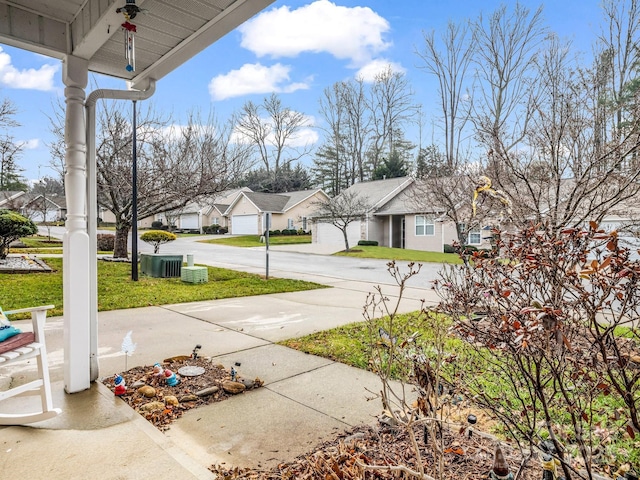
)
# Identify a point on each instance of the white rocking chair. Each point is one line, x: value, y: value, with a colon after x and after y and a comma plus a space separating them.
x: 35, y: 348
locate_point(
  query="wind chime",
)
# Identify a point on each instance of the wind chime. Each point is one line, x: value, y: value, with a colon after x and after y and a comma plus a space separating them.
x: 130, y: 10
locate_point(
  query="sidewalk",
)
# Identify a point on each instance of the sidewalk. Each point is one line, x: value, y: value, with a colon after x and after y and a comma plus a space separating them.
x: 304, y: 400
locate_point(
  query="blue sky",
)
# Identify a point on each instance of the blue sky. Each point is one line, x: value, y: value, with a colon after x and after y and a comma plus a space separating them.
x: 295, y: 48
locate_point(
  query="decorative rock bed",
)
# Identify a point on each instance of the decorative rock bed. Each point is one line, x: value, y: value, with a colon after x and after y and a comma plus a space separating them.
x: 149, y: 394
x: 23, y: 264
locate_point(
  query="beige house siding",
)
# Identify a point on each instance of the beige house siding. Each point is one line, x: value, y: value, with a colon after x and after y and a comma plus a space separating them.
x: 374, y: 229
x: 429, y: 243
x: 296, y: 214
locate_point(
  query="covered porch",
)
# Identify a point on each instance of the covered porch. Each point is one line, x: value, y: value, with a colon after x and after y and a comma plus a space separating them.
x: 139, y: 42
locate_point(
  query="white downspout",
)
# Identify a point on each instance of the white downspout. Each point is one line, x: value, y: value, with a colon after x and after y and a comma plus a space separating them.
x: 92, y: 206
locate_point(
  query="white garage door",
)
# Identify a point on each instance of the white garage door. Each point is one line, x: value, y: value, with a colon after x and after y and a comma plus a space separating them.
x: 328, y: 234
x: 189, y: 221
x: 244, y: 224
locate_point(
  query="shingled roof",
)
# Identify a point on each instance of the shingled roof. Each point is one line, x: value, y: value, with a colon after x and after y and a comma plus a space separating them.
x: 276, y: 202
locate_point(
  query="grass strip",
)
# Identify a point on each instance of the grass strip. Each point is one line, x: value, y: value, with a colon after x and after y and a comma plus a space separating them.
x: 116, y: 290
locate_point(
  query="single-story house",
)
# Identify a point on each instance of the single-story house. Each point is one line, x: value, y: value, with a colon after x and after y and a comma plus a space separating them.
x: 37, y: 207
x: 397, y: 216
x: 203, y: 212
x: 193, y: 216
x: 289, y: 210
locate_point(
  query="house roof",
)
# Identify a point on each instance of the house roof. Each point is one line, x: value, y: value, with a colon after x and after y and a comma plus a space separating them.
x: 24, y: 198
x: 268, y: 202
x: 275, y: 202
x: 380, y: 192
x: 7, y: 196
x: 206, y: 204
x: 300, y: 196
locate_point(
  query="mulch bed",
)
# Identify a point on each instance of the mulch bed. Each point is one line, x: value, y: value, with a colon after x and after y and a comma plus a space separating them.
x: 344, y: 458
x: 214, y: 376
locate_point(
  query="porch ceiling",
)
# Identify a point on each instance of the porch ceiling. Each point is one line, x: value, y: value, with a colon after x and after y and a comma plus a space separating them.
x: 168, y: 32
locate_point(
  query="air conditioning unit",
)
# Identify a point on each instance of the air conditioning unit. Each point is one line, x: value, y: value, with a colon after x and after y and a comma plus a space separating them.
x: 158, y: 265
x: 170, y: 268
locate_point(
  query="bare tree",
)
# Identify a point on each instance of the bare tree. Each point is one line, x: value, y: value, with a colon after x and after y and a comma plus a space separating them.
x: 340, y: 162
x: 507, y: 43
x: 341, y: 211
x: 175, y: 164
x: 449, y: 60
x: 10, y: 149
x: 449, y: 183
x: 616, y: 67
x: 392, y: 107
x: 272, y: 130
x: 562, y: 172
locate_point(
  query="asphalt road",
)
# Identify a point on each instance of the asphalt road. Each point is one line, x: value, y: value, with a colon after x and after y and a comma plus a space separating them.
x: 284, y: 263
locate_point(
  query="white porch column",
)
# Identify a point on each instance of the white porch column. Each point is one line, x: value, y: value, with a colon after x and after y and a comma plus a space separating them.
x: 76, y: 277
x: 390, y: 231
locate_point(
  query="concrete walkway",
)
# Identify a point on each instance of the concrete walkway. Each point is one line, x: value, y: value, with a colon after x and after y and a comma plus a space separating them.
x: 305, y: 399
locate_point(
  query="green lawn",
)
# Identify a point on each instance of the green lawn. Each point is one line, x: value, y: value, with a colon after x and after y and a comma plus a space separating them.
x: 116, y: 290
x: 352, y: 344
x: 254, y: 240
x: 38, y: 244
x: 400, y: 254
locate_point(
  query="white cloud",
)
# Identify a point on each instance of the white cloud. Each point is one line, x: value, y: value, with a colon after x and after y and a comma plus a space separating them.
x: 254, y: 78
x: 29, y: 79
x: 30, y: 144
x: 354, y: 33
x: 371, y: 70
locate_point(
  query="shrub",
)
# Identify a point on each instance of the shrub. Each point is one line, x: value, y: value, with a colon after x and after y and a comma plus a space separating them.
x: 469, y: 249
x: 12, y: 227
x: 157, y: 238
x: 223, y: 230
x: 106, y: 242
x: 289, y: 231
x: 368, y: 243
x: 301, y: 232
x: 209, y: 229
x: 156, y: 224
x: 449, y: 248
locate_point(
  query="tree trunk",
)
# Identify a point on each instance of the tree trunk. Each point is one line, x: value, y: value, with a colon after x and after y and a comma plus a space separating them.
x: 346, y: 239
x: 120, y: 249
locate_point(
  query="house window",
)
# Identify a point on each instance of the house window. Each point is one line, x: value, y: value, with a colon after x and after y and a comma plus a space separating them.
x: 215, y: 221
x: 290, y: 223
x: 425, y: 226
x: 475, y: 237
x: 304, y: 223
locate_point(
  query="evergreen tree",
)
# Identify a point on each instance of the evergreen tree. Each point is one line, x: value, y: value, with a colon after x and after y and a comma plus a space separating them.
x: 431, y: 162
x: 392, y: 167
x: 287, y: 180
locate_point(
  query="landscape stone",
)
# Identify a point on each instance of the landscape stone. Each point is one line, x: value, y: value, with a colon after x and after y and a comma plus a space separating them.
x: 138, y: 384
x: 207, y: 391
x: 232, y: 387
x: 247, y: 382
x: 188, y: 398
x: 152, y: 406
x: 147, y: 391
x: 171, y: 400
